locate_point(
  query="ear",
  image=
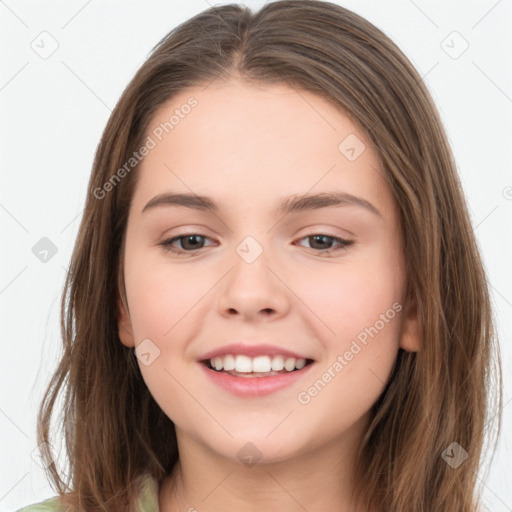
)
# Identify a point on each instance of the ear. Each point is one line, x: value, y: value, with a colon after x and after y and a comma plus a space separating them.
x: 410, y: 339
x: 125, y: 326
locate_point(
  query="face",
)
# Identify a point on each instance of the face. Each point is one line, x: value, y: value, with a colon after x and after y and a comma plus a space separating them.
x: 323, y: 280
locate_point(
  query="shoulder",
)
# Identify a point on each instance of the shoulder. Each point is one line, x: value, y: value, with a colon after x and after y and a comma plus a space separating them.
x: 49, y: 505
x: 147, y: 499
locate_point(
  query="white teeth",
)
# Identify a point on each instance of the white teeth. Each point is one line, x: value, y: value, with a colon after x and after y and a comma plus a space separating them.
x: 259, y: 364
x: 289, y: 364
x: 277, y: 363
x: 243, y: 364
x: 229, y: 363
x: 300, y: 363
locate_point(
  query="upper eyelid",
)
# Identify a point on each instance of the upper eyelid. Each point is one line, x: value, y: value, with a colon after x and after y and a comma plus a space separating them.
x: 312, y: 233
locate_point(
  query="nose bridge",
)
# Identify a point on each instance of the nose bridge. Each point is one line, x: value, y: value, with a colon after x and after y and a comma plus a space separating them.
x: 251, y: 286
x: 250, y: 249
x: 251, y: 264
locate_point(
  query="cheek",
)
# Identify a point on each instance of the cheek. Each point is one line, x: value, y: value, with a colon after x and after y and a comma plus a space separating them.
x: 362, y: 309
x: 358, y: 309
x: 161, y: 300
x: 350, y: 297
x: 361, y: 305
x: 162, y: 297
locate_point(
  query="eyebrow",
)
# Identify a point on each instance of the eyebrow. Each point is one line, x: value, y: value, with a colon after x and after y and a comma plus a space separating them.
x: 292, y: 204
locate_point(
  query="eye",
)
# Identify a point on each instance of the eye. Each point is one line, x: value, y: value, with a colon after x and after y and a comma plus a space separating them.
x: 323, y: 242
x: 189, y: 242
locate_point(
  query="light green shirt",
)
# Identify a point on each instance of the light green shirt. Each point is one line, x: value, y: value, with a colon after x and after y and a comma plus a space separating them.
x: 147, y: 500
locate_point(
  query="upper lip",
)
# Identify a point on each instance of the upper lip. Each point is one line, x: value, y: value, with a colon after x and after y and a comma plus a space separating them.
x: 251, y: 351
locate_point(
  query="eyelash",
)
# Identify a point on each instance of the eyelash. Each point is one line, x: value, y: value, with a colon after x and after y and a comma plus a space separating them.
x: 167, y: 244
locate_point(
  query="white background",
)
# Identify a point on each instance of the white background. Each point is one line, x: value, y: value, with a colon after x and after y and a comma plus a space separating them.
x: 53, y: 112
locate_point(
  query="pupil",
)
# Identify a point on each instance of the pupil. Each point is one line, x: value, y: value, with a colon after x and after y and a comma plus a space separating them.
x: 189, y: 238
x: 316, y: 237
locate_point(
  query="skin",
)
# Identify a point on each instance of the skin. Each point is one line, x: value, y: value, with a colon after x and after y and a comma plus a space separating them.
x: 247, y: 146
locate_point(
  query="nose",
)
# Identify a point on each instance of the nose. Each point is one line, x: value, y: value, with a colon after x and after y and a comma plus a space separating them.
x: 254, y: 291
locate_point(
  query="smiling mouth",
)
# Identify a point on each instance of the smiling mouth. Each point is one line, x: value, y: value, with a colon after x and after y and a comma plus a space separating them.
x: 252, y: 374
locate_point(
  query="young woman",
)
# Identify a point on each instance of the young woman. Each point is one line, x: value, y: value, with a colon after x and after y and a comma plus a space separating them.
x: 276, y: 300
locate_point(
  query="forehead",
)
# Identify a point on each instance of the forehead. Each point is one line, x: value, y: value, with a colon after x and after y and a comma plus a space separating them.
x: 240, y: 141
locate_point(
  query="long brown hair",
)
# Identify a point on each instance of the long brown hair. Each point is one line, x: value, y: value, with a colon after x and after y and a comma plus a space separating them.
x: 114, y: 430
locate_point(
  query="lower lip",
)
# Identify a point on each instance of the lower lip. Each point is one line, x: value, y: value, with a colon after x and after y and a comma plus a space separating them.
x: 255, y: 386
